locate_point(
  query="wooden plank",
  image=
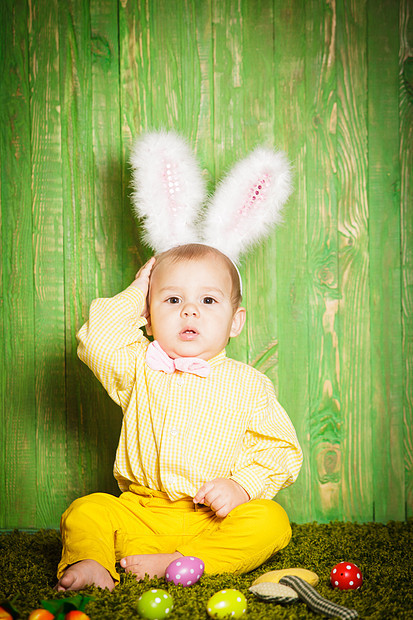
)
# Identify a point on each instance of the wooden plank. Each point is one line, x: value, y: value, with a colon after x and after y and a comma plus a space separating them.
x: 290, y: 118
x: 175, y: 70
x: 258, y: 87
x: 201, y: 18
x: 135, y: 116
x: 49, y: 306
x: 406, y: 202
x: 180, y: 82
x: 229, y: 118
x: 85, y: 397
x: 320, y: 170
x: 3, y: 401
x: 109, y: 220
x: 165, y: 78
x: 18, y: 424
x: 201, y: 78
x: 4, y: 41
x: 106, y: 144
x: 384, y: 233
x: 354, y: 310
x: 3, y: 147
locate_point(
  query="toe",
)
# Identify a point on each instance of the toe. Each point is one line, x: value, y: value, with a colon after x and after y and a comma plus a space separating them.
x: 65, y: 583
x: 129, y: 560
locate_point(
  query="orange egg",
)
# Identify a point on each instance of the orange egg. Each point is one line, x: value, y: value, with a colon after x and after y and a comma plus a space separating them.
x: 41, y: 614
x: 4, y: 615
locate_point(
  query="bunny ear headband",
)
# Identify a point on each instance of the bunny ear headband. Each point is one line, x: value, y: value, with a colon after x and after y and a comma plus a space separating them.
x: 169, y: 192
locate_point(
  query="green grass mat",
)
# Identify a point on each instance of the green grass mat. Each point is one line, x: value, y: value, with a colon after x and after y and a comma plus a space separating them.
x: 383, y: 552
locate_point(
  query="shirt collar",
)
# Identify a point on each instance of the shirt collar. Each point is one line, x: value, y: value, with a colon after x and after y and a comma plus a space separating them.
x: 217, y: 360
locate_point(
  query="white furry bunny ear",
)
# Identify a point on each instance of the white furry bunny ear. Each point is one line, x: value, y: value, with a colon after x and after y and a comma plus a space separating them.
x: 248, y: 202
x: 168, y: 189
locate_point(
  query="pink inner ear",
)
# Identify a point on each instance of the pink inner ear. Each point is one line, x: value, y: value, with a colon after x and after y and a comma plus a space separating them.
x: 171, y: 184
x: 255, y: 195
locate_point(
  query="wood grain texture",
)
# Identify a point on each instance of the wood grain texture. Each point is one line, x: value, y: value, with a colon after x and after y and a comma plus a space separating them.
x: 135, y: 115
x: 3, y: 436
x: 260, y: 263
x: 291, y: 267
x: 324, y: 295
x: 4, y: 146
x: 48, y: 256
x: 203, y: 50
x: 384, y: 249
x: 227, y: 131
x: 406, y: 202
x: 87, y: 405
x: 80, y: 264
x: 18, y: 504
x: 106, y: 144
x: 329, y: 295
x: 229, y: 117
x: 109, y: 218
x: 354, y: 261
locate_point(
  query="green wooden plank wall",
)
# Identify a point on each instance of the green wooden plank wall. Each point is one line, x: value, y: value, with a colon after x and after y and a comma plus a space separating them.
x: 329, y: 295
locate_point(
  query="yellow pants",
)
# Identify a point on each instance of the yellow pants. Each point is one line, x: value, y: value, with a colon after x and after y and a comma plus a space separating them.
x: 106, y: 528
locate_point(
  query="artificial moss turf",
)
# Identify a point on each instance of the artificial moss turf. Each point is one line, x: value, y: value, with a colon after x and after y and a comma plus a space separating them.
x: 28, y: 564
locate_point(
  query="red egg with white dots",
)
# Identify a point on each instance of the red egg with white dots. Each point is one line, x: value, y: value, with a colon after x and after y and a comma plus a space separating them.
x: 346, y: 576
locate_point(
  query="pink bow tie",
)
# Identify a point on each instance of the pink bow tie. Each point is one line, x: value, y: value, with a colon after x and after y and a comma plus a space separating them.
x: 157, y: 359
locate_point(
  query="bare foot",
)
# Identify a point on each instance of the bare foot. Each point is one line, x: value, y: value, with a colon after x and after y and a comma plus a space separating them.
x: 152, y: 564
x: 85, y: 573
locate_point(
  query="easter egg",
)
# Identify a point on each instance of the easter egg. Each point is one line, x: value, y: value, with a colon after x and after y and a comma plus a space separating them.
x: 227, y: 604
x: 346, y: 576
x: 185, y: 571
x: 39, y: 614
x: 155, y: 604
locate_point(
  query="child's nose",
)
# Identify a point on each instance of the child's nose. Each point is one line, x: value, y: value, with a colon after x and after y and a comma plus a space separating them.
x: 190, y: 309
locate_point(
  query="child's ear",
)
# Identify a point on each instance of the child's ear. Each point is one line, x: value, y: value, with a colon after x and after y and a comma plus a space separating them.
x: 148, y: 326
x: 238, y: 321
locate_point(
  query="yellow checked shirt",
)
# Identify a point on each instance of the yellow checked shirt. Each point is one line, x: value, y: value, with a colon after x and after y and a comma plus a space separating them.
x: 180, y: 430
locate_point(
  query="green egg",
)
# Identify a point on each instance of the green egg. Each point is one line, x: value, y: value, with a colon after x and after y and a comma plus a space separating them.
x: 155, y: 604
x: 227, y: 604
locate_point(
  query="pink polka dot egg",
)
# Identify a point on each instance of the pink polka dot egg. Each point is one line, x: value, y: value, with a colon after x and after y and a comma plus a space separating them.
x: 185, y: 571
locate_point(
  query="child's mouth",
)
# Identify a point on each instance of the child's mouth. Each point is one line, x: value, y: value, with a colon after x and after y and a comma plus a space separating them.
x: 188, y: 334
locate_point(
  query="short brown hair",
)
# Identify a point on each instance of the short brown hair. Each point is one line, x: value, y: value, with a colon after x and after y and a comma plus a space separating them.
x: 195, y: 251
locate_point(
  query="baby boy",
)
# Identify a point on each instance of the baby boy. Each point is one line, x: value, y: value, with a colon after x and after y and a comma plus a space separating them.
x: 204, y: 445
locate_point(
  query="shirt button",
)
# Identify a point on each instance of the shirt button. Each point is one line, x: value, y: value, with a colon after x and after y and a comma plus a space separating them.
x: 171, y: 479
x: 173, y: 432
x: 180, y: 380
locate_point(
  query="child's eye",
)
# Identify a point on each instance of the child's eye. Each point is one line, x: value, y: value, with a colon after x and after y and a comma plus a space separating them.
x: 208, y: 300
x: 173, y: 300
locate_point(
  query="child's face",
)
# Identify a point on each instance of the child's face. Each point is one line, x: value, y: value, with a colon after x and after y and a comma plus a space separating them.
x: 190, y: 310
